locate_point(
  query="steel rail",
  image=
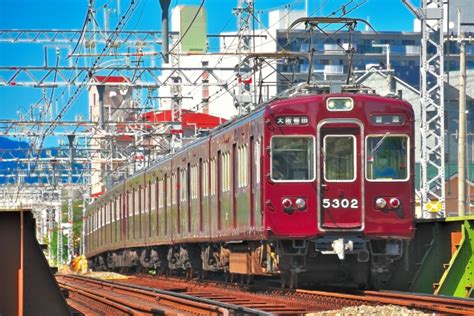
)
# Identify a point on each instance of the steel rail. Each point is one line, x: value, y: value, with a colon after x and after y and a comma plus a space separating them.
x: 116, y: 304
x: 174, y: 298
x: 435, y: 303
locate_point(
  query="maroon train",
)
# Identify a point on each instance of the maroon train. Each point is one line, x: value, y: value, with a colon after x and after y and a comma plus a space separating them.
x: 315, y: 186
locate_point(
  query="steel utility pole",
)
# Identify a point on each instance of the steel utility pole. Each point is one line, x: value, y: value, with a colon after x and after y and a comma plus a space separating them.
x: 462, y: 132
x: 244, y: 12
x: 433, y: 192
x: 70, y: 208
x: 463, y: 202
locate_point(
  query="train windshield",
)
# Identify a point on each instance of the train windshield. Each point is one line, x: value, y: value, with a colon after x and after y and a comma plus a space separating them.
x: 292, y: 158
x: 387, y: 158
x: 339, y: 158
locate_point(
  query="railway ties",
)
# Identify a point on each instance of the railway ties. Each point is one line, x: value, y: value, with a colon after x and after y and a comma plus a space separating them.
x: 144, y: 295
x: 282, y: 301
x: 93, y: 296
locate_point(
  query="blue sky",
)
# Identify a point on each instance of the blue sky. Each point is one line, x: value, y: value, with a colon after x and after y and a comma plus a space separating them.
x: 385, y: 15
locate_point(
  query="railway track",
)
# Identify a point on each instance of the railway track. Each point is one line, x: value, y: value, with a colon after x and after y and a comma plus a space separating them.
x: 279, y: 301
x: 426, y: 302
x: 98, y: 297
x: 165, y: 294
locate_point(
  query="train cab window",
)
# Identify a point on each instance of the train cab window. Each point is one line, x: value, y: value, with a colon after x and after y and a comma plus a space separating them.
x: 292, y: 158
x: 387, y: 158
x: 339, y: 158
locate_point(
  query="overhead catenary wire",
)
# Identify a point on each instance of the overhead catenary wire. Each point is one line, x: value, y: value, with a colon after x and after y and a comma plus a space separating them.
x: 120, y: 24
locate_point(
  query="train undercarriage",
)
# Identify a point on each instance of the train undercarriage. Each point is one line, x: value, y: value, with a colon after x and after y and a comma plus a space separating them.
x: 346, y: 262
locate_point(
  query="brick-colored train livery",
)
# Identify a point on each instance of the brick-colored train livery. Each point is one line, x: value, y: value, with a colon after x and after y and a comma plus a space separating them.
x: 316, y: 187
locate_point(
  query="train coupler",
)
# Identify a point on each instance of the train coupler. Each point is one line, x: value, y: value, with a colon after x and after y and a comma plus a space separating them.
x: 343, y: 246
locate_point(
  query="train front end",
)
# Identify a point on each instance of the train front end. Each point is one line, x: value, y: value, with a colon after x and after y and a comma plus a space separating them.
x: 340, y: 188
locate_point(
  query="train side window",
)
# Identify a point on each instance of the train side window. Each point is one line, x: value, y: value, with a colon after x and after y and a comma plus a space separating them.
x: 242, y: 162
x: 223, y: 172
x: 107, y: 213
x: 112, y: 209
x: 104, y: 214
x: 387, y: 158
x: 130, y: 198
x: 257, y: 160
x: 292, y: 158
x: 136, y: 197
x: 194, y: 182
x: 228, y: 171
x: 205, y: 178
x: 160, y: 193
x: 213, y: 177
x: 339, y: 158
x: 245, y: 166
x: 183, y: 185
x: 174, y: 194
x: 168, y: 191
x: 154, y: 194
x: 240, y: 179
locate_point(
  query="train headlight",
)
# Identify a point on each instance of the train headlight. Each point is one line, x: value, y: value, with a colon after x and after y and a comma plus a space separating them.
x: 300, y: 204
x: 286, y: 203
x: 339, y: 104
x: 380, y: 203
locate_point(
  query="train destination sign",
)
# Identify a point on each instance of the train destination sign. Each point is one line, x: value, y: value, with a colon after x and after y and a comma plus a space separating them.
x: 292, y: 120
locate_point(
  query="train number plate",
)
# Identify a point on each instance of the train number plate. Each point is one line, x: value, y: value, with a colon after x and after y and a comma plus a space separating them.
x: 340, y: 203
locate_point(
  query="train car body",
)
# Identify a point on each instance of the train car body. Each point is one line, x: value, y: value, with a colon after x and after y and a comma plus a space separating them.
x: 319, y: 186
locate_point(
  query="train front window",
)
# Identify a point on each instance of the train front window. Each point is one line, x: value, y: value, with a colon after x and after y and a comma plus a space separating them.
x: 387, y: 158
x: 339, y: 158
x: 292, y: 158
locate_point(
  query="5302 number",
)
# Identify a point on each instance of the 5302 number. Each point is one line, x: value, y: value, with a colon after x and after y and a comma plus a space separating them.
x: 340, y: 203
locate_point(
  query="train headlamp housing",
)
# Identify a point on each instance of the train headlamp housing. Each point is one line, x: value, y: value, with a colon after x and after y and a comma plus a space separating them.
x: 394, y: 202
x: 380, y: 203
x: 339, y: 104
x: 300, y: 204
x: 286, y: 204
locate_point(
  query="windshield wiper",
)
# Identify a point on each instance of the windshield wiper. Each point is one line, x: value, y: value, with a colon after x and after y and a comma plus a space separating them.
x: 379, y: 143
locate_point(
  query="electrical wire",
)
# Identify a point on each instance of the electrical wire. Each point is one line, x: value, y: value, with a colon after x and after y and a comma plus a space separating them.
x: 120, y: 25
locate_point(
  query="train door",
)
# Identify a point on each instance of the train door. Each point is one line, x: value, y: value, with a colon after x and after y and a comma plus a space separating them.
x: 341, y: 205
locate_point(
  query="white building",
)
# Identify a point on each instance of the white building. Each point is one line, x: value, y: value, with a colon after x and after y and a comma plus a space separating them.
x: 217, y: 91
